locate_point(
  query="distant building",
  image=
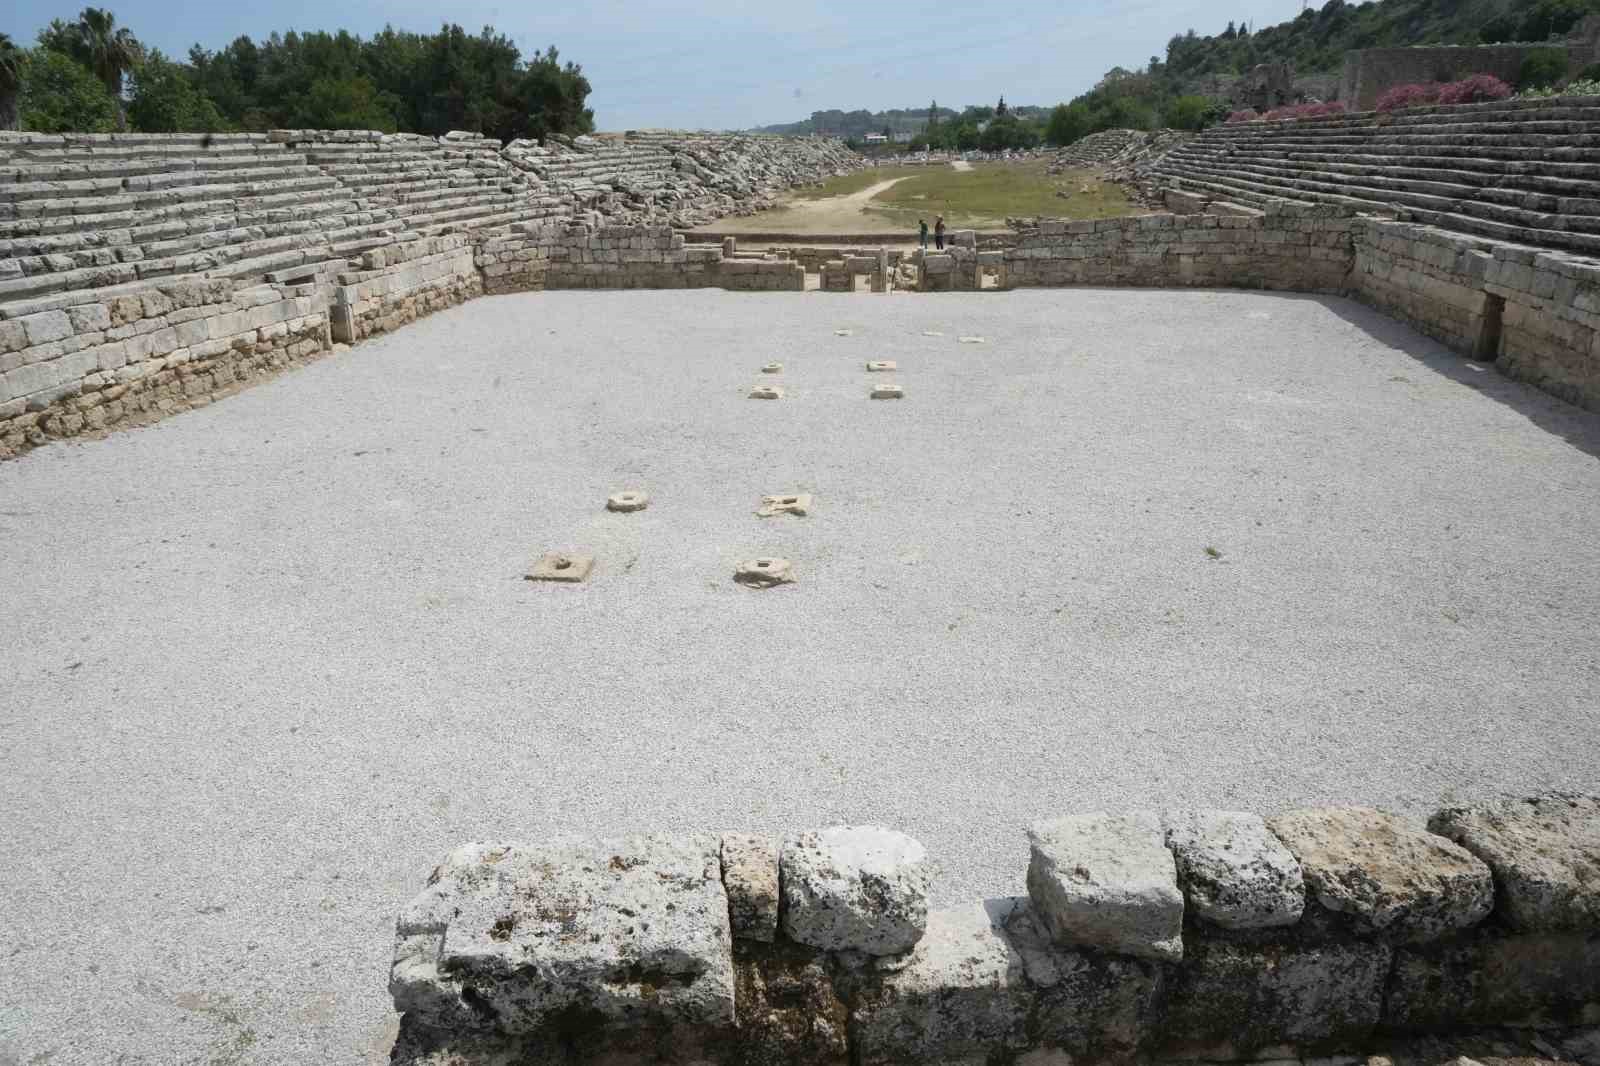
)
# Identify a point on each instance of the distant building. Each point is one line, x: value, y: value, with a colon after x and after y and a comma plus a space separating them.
x: 876, y: 138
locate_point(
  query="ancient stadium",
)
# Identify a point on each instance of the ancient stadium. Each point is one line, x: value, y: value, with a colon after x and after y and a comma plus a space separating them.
x: 1171, y: 637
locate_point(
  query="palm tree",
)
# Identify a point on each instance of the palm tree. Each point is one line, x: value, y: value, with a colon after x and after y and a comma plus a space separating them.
x: 107, y: 51
x: 11, y: 58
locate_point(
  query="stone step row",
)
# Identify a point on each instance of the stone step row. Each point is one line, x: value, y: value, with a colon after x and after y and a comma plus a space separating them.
x: 93, y: 170
x: 1441, y: 198
x: 279, y: 208
x: 1508, y: 192
x: 1541, y: 172
x: 32, y: 206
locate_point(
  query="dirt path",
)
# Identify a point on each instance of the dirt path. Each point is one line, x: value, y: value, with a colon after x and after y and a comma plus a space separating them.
x: 836, y: 214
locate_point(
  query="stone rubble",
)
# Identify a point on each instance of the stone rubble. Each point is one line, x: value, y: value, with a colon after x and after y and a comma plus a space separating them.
x: 855, y: 888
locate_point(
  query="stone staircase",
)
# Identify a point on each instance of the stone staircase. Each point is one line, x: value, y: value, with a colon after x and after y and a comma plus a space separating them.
x: 1526, y: 171
x: 90, y: 211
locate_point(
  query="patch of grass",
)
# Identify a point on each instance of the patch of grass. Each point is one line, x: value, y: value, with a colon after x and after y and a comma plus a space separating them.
x: 861, y: 179
x: 984, y: 196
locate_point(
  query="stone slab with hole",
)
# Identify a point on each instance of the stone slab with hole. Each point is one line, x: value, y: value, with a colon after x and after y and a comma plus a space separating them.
x: 764, y: 572
x: 562, y: 567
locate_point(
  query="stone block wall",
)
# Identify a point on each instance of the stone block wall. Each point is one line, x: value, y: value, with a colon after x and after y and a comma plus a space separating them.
x: 1535, y: 314
x: 106, y: 360
x: 400, y: 283
x: 1212, y: 936
x: 1369, y: 72
x: 588, y: 255
x: 1296, y: 247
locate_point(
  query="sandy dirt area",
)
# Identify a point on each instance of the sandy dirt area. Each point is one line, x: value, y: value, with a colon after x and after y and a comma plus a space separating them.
x: 833, y: 215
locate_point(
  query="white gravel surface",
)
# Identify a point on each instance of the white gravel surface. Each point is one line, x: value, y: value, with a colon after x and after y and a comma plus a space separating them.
x: 267, y: 661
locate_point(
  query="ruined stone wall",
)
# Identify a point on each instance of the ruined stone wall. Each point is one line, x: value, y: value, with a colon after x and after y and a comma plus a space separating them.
x: 402, y: 282
x: 589, y: 255
x: 1535, y: 314
x: 1295, y: 247
x: 1369, y: 72
x: 1210, y: 936
x: 91, y: 363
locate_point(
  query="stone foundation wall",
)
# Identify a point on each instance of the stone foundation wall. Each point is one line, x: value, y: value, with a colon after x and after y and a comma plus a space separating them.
x: 587, y: 255
x: 400, y: 283
x: 1369, y: 72
x: 108, y: 360
x: 1152, y: 937
x: 1535, y: 314
x: 1294, y: 247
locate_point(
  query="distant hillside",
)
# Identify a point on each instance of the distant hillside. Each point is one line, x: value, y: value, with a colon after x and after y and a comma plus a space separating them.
x: 904, y: 121
x: 1318, y: 39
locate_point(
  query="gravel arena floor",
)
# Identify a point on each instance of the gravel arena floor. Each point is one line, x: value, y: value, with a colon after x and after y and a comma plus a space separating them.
x: 266, y: 662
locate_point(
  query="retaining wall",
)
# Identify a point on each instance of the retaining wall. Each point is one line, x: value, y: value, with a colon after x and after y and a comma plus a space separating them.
x: 1535, y: 313
x: 1369, y: 72
x: 1179, y: 936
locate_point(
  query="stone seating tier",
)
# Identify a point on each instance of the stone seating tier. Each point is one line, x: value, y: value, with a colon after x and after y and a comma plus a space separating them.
x: 1512, y: 170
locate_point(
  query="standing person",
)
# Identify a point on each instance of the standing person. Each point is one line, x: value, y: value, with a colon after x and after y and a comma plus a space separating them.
x: 923, y: 236
x: 938, y: 234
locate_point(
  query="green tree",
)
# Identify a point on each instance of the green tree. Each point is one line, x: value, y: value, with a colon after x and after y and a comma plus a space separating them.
x: 551, y: 98
x: 60, y: 96
x: 1542, y: 67
x: 1068, y: 124
x: 12, y: 62
x: 98, y: 43
x: 166, y: 99
x: 1193, y: 113
x: 345, y: 102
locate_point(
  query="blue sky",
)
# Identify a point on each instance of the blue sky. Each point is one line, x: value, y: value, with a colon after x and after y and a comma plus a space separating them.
x: 698, y: 64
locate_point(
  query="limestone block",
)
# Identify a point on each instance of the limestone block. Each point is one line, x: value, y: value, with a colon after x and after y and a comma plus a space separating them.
x: 789, y: 1011
x: 1228, y: 1000
x: 630, y: 931
x: 1384, y: 873
x: 964, y: 991
x: 795, y: 503
x: 1107, y: 881
x: 1090, y: 1004
x: 1545, y: 855
x: 89, y: 318
x: 1233, y: 871
x: 766, y: 392
x: 750, y: 877
x: 1490, y: 979
x: 876, y: 366
x: 13, y: 336
x: 46, y: 326
x: 855, y: 888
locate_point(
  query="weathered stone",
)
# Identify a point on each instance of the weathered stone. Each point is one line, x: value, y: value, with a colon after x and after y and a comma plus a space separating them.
x: 1233, y: 871
x: 795, y: 503
x: 878, y: 366
x: 789, y: 1011
x: 512, y: 937
x: 1488, y: 979
x: 766, y: 392
x: 973, y: 340
x: 843, y: 332
x: 564, y: 567
x: 1545, y: 855
x: 1228, y: 1001
x: 627, y: 502
x: 1090, y: 1005
x: 764, y: 572
x: 772, y: 368
x: 888, y: 392
x: 963, y: 992
x: 1107, y: 881
x: 1387, y: 875
x: 750, y: 877
x: 855, y: 888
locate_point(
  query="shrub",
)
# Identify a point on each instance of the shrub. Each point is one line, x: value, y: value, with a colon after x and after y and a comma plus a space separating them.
x: 1188, y: 113
x: 1249, y: 114
x: 1474, y: 90
x: 1408, y: 96
x: 1543, y: 67
x: 59, y: 95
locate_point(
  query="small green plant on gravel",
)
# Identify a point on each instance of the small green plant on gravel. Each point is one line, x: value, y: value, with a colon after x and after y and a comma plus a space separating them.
x: 1212, y: 553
